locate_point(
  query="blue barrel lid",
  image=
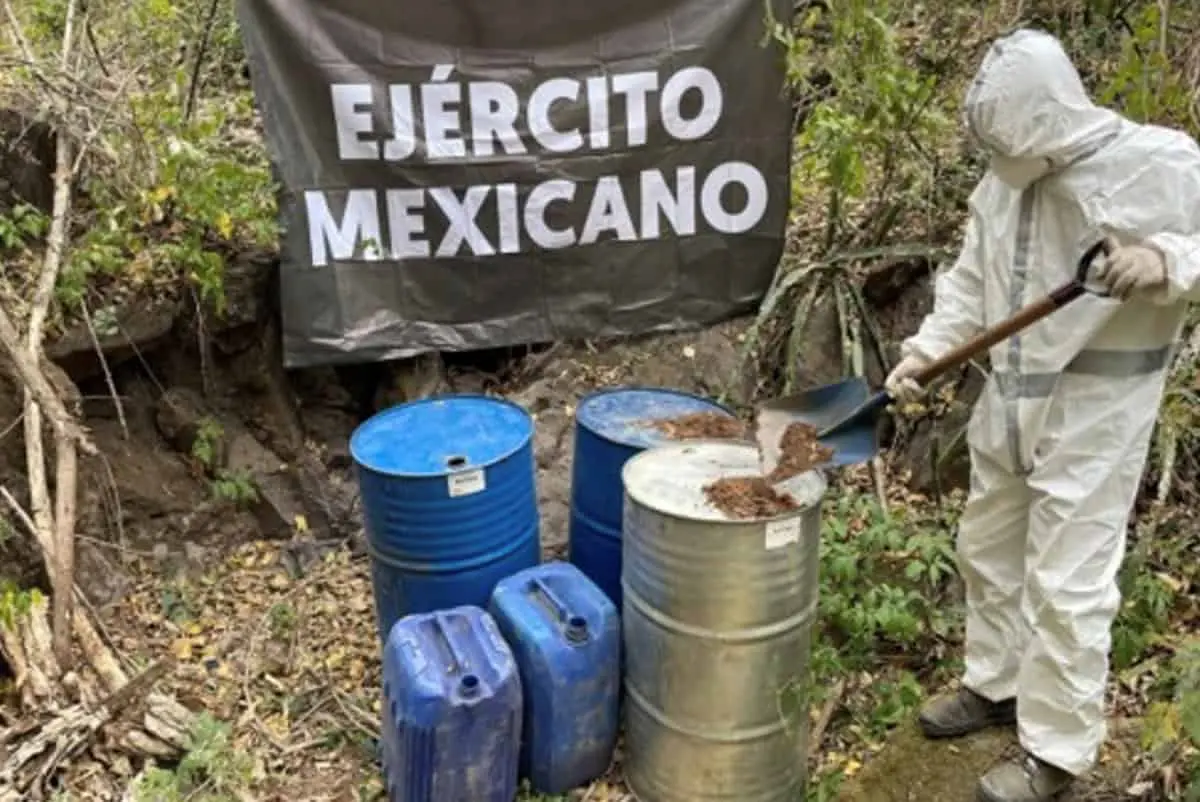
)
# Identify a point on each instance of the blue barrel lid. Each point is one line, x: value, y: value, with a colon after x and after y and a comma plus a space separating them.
x: 625, y: 415
x: 439, y: 435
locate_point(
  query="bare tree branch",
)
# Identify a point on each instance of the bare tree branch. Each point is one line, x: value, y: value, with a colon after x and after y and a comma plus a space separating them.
x: 55, y: 520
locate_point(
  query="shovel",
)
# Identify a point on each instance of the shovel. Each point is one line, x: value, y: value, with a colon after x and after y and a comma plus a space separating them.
x: 845, y: 414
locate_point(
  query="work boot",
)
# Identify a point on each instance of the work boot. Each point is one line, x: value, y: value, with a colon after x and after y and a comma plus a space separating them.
x: 965, y: 712
x: 1026, y: 779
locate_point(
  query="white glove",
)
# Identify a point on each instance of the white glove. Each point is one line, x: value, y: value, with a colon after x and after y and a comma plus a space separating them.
x: 1133, y: 269
x: 900, y: 383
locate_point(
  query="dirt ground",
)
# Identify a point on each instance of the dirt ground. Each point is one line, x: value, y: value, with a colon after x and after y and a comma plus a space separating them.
x: 910, y: 767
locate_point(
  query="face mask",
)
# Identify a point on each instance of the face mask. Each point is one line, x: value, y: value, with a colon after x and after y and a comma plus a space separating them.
x: 1018, y: 173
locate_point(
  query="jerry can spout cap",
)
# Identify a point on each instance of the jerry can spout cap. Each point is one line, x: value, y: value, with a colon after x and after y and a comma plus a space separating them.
x: 468, y: 686
x: 577, y: 629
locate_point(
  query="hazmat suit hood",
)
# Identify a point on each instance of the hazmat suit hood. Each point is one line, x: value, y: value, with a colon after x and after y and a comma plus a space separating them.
x: 1027, y: 104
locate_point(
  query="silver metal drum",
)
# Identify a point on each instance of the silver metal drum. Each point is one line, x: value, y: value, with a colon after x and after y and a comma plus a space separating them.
x: 717, y: 618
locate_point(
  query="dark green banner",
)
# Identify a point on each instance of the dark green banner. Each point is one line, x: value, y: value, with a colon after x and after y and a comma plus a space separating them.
x: 458, y: 178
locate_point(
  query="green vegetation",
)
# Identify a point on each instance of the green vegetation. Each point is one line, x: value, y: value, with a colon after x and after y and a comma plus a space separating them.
x: 233, y: 486
x: 890, y: 622
x: 174, y: 176
x: 880, y: 178
x: 213, y: 769
x: 15, y: 602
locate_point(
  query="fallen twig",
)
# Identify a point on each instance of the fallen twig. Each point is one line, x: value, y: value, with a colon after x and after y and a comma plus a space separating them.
x: 108, y: 377
x: 533, y: 364
x: 817, y: 734
x: 35, y: 758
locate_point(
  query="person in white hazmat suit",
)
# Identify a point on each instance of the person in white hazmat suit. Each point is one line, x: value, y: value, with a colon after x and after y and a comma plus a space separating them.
x: 1060, y: 435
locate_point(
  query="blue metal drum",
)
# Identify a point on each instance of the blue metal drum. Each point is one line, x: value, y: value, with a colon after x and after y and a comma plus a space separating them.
x: 449, y: 502
x: 610, y: 427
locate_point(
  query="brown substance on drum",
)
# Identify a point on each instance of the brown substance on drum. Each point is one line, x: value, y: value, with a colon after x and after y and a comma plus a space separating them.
x: 748, y: 497
x: 701, y: 426
x: 799, y: 451
x: 755, y: 496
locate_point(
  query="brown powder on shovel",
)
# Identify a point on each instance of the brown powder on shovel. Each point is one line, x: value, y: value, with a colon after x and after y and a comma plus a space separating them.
x: 799, y: 451
x: 756, y: 496
x: 701, y: 426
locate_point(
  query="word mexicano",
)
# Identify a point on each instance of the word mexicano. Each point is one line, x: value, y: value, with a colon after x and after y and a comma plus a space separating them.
x: 359, y: 234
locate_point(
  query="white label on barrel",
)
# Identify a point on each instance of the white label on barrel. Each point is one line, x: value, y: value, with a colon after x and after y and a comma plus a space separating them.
x: 466, y: 483
x: 782, y: 533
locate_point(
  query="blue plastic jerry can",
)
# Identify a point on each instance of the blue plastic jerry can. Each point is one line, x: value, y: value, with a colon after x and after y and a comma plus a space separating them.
x: 565, y: 634
x: 452, y: 709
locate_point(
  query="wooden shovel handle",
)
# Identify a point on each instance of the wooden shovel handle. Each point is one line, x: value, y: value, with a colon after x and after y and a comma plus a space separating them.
x: 1001, y: 331
x: 1058, y: 298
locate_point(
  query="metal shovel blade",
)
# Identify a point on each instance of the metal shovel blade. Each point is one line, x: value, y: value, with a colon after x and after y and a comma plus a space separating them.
x: 852, y: 441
